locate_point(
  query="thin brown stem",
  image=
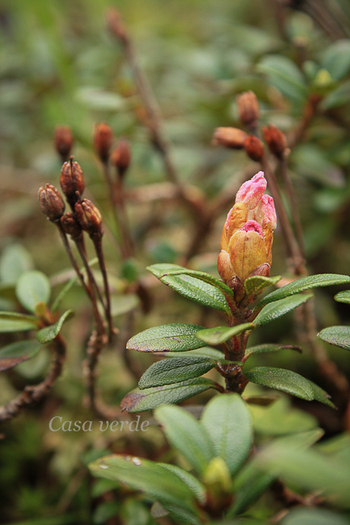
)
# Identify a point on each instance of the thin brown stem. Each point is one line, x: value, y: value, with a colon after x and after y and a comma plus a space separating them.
x: 34, y: 394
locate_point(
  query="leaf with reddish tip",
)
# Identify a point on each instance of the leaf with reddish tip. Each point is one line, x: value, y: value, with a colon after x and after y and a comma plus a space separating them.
x: 15, y: 353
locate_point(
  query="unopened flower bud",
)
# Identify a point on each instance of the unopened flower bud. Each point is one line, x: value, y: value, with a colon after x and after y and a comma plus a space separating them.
x: 248, y: 108
x: 247, y: 236
x: 275, y: 139
x: 72, y: 180
x: 51, y: 202
x: 254, y: 148
x: 102, y: 139
x: 120, y: 157
x: 63, y: 141
x: 71, y: 226
x: 89, y: 217
x: 116, y: 25
x: 229, y: 137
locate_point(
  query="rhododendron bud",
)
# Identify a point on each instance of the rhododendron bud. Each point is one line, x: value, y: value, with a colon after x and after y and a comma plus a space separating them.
x: 248, y: 233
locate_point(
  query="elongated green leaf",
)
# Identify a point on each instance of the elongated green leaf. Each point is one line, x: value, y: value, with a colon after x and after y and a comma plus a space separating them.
x: 314, y: 516
x: 220, y: 334
x: 47, y: 334
x: 336, y: 335
x: 284, y: 75
x: 33, y: 288
x: 156, y: 481
x: 205, y: 351
x: 343, y: 297
x: 168, y: 371
x: 140, y: 400
x: 15, y: 260
x: 248, y: 487
x: 227, y: 421
x: 176, y: 337
x: 275, y: 310
x: 162, y: 270
x: 15, y: 353
x: 193, y: 288
x: 289, y: 382
x: 305, y: 283
x: 261, y: 349
x: 187, y: 435
x: 13, y: 322
x: 256, y: 284
x: 195, y: 486
x: 336, y: 59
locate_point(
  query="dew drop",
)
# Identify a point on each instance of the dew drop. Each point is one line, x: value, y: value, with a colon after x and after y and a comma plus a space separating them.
x: 104, y: 466
x: 136, y: 461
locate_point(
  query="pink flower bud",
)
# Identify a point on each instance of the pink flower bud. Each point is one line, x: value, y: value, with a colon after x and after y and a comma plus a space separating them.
x: 248, y: 233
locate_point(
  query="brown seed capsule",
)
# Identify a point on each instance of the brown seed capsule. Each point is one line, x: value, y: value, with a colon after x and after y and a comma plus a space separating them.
x: 63, y: 141
x: 72, y: 180
x: 275, y: 139
x: 89, y: 217
x: 102, y: 139
x: 229, y: 137
x: 248, y: 108
x: 115, y: 25
x: 51, y: 202
x: 71, y: 226
x: 254, y: 148
x: 120, y: 157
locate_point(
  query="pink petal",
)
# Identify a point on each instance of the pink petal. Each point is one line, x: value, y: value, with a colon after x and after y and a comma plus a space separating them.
x: 252, y: 226
x: 251, y: 191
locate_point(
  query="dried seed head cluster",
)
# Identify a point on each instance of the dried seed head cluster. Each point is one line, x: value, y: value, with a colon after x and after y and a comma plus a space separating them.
x: 72, y: 181
x: 120, y: 157
x: 64, y: 141
x: 51, y: 202
x: 102, y: 140
x: 89, y: 217
x: 248, y: 108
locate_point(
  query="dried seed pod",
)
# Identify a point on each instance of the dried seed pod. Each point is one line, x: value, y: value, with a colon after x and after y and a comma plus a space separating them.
x: 51, y: 202
x: 89, y: 217
x: 275, y: 139
x: 229, y: 137
x: 71, y: 226
x: 63, y: 141
x: 72, y: 180
x: 254, y: 148
x: 120, y: 157
x: 248, y: 108
x: 102, y: 140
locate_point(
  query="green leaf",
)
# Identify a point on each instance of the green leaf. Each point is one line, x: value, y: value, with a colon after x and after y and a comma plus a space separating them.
x: 305, y: 283
x: 123, y: 304
x: 261, y: 349
x: 227, y: 420
x: 187, y: 435
x: 285, y: 76
x: 33, y: 288
x: 314, y: 516
x: 14, y: 353
x: 248, y: 486
x: 12, y: 322
x: 15, y: 260
x: 195, y: 486
x: 168, y: 371
x: 156, y: 481
x: 275, y: 310
x: 336, y: 335
x: 205, y: 351
x: 220, y: 334
x: 336, y: 59
x: 343, y: 297
x: 337, y: 98
x: 176, y: 337
x: 289, y: 382
x: 193, y: 288
x: 256, y: 284
x: 49, y: 333
x: 140, y: 400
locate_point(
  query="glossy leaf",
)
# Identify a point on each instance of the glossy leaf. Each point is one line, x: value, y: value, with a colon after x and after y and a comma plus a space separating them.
x: 187, y: 435
x: 343, y: 297
x: 289, y: 382
x: 220, y: 334
x: 256, y: 284
x: 140, y: 400
x: 275, y: 310
x: 153, y: 479
x: 168, y: 371
x: 305, y: 283
x: 176, y: 337
x: 193, y: 288
x: 261, y: 349
x: 33, y: 288
x: 195, y: 486
x: 13, y: 322
x: 336, y: 335
x: 47, y: 334
x: 284, y: 75
x: 15, y: 353
x: 227, y: 420
x: 205, y: 351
